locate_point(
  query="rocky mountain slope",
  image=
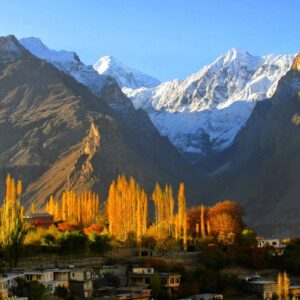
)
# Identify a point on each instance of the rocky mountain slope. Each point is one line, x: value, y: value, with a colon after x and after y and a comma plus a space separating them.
x: 261, y: 169
x: 54, y: 130
x: 203, y: 113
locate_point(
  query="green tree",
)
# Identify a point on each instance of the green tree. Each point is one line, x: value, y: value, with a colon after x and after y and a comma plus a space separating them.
x: 99, y: 243
x: 48, y: 240
x: 72, y: 242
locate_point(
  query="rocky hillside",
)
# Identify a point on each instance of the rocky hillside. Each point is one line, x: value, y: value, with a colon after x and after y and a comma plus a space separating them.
x: 261, y: 169
x: 54, y: 131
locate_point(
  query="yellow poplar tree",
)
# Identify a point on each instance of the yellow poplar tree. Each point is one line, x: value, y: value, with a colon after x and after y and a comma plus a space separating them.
x: 11, y: 222
x: 280, y: 287
x: 286, y: 286
x: 202, y: 221
x: 157, y: 197
x: 182, y: 210
x: 127, y: 209
x: 75, y: 208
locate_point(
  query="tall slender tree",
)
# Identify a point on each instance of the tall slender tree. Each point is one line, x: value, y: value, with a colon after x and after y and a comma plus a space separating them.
x: 280, y: 287
x: 127, y: 209
x: 75, y: 208
x: 202, y: 221
x: 286, y: 286
x: 11, y: 222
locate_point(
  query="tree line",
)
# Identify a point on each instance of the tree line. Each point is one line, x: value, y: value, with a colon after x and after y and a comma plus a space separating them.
x: 125, y: 214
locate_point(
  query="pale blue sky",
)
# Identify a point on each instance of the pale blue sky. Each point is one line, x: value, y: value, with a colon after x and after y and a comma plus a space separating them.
x: 164, y: 38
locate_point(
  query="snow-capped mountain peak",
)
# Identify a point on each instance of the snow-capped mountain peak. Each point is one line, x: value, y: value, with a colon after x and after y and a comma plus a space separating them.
x: 200, y: 114
x: 106, y: 62
x: 204, y: 112
x: 126, y: 77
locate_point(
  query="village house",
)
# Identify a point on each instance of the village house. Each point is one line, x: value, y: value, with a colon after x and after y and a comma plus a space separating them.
x: 275, y: 245
x: 42, y: 276
x: 266, y: 289
x: 60, y: 279
x: 47, y: 278
x: 80, y: 283
x: 101, y: 271
x: 40, y: 219
x: 86, y: 283
x: 142, y: 277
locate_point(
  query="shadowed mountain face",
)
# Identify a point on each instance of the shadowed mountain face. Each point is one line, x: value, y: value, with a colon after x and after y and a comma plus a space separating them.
x: 54, y: 131
x: 261, y: 170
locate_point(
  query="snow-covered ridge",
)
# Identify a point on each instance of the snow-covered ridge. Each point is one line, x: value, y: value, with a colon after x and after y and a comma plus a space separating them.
x: 204, y: 112
x: 94, y: 77
x: 39, y: 49
x: 69, y: 63
x: 126, y: 77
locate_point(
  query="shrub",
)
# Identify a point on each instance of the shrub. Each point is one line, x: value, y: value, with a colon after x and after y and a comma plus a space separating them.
x: 48, y: 240
x: 99, y: 243
x: 31, y: 289
x: 72, y: 242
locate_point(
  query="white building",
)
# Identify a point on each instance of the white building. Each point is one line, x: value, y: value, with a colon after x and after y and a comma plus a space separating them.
x: 275, y: 245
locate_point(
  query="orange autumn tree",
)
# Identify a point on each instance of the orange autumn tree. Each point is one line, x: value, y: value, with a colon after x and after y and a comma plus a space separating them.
x: 75, y: 208
x: 127, y: 209
x: 225, y: 218
x: 181, y: 220
x: 197, y: 221
x: 164, y: 210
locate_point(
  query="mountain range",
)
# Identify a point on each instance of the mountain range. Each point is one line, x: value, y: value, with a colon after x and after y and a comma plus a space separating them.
x: 56, y: 134
x: 230, y: 130
x: 200, y: 114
